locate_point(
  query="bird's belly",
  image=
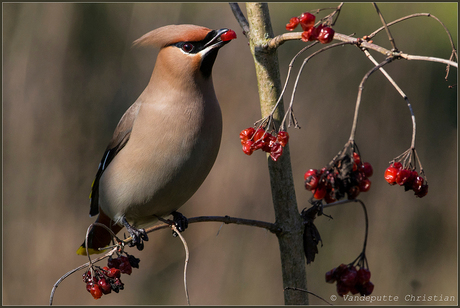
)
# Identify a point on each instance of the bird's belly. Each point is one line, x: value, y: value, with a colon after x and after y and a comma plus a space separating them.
x: 162, y: 178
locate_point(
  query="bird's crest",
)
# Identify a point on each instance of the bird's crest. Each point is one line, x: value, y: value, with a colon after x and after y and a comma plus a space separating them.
x: 172, y: 34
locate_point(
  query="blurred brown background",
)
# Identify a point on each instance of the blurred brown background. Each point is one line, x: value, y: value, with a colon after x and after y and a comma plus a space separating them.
x: 70, y: 73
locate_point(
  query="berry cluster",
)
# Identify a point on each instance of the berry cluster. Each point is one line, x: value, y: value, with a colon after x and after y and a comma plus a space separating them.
x: 345, y: 176
x: 321, y: 33
x: 106, y: 279
x: 407, y: 177
x: 351, y: 279
x: 253, y: 140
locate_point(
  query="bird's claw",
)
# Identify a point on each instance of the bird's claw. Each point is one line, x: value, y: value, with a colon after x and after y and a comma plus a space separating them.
x: 180, y: 221
x: 138, y: 235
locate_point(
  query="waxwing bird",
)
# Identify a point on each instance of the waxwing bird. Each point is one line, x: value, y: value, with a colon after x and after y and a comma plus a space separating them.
x: 166, y: 143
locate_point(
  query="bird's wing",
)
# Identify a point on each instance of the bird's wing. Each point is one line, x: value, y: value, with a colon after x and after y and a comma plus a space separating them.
x: 119, y: 139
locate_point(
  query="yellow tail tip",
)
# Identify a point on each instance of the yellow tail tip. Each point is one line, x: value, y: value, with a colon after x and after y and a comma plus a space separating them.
x: 82, y: 251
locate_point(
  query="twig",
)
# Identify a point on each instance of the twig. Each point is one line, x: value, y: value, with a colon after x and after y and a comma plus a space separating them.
x: 280, y: 39
x: 453, y: 56
x: 404, y: 96
x: 390, y: 37
x: 240, y: 18
x: 289, y: 111
x: 358, y: 99
x: 425, y: 58
x: 273, y: 228
x: 309, y: 292
x: 187, y: 255
x: 365, y: 216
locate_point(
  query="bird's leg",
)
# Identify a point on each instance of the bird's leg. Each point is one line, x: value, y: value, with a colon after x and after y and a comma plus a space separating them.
x: 138, y: 235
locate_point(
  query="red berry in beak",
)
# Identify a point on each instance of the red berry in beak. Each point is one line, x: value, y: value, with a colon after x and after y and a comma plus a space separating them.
x: 228, y: 36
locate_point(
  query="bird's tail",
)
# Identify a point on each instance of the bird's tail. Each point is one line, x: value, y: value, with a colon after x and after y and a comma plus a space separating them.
x: 99, y: 237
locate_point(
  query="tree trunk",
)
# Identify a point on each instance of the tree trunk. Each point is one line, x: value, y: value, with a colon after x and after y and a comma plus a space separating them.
x: 282, y: 184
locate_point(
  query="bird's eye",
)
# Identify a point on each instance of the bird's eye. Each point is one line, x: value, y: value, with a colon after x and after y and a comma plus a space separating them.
x: 187, y: 47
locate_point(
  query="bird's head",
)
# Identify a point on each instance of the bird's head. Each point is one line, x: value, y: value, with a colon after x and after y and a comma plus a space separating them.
x: 187, y: 48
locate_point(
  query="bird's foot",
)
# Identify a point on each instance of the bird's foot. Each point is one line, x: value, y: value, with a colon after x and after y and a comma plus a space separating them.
x: 180, y: 221
x: 138, y: 235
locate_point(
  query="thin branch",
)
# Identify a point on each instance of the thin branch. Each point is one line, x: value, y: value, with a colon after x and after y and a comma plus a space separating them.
x: 453, y: 56
x: 390, y: 37
x: 187, y: 256
x: 300, y: 72
x: 337, y: 11
x: 412, y: 16
x: 273, y: 228
x: 358, y: 99
x: 240, y: 18
x: 309, y: 292
x: 426, y: 58
x: 365, y: 216
x: 404, y: 96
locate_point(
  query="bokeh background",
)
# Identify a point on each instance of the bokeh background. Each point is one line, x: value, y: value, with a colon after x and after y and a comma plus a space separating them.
x: 69, y: 73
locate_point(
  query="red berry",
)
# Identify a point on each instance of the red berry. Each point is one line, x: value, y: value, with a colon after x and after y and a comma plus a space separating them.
x: 276, y: 151
x: 330, y: 276
x: 320, y: 192
x: 123, y: 259
x: 390, y: 175
x: 326, y: 35
x: 307, y: 20
x: 89, y: 284
x: 87, y: 276
x: 364, y: 185
x: 355, y: 167
x: 402, y: 176
x: 228, y: 36
x: 423, y: 191
x: 310, y: 172
x: 348, y: 277
x: 397, y: 165
x: 247, y: 147
x: 356, y: 158
x: 340, y: 270
x: 259, y: 134
x: 329, y: 198
x: 269, y: 142
x: 293, y: 23
x: 417, y: 184
x: 366, y: 168
x: 126, y: 268
x: 283, y: 138
x: 105, y: 286
x: 367, y: 288
x: 353, y: 192
x: 364, y: 275
x: 342, y: 289
x: 96, y: 291
x: 113, y: 263
x: 114, y: 273
x: 310, y: 35
x: 247, y: 134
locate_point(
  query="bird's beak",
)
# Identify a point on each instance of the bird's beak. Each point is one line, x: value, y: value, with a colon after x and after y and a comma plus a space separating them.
x: 222, y: 37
